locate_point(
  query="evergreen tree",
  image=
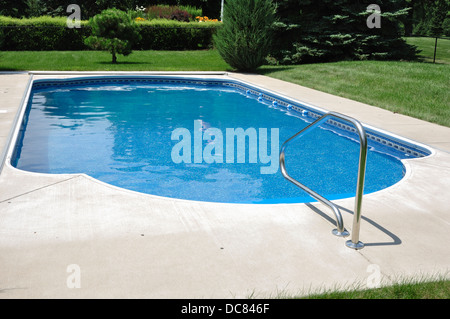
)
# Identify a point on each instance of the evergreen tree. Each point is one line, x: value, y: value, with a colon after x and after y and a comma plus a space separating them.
x: 440, y: 12
x: 331, y: 30
x: 245, y: 38
x: 113, y: 30
x: 428, y: 17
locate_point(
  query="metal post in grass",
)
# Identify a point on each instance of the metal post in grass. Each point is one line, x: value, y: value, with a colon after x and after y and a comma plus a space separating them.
x: 435, y: 48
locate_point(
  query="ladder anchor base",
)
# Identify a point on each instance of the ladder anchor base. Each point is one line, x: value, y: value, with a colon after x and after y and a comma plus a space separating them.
x: 344, y: 233
x: 358, y: 245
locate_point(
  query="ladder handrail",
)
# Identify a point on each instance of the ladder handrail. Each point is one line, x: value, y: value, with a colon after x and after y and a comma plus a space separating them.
x: 340, y: 231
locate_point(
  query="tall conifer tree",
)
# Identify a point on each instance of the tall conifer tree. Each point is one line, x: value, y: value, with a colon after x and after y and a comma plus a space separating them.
x: 331, y: 30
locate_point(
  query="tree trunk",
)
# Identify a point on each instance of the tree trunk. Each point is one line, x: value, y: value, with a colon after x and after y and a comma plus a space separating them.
x: 114, y: 57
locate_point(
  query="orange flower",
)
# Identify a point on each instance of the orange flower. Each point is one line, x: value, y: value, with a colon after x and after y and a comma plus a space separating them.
x: 206, y: 19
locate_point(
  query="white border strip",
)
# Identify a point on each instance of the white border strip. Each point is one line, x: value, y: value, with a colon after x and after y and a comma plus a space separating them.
x: 130, y: 73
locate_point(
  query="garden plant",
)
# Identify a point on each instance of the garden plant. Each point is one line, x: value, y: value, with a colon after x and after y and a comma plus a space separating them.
x: 244, y: 41
x: 115, y: 31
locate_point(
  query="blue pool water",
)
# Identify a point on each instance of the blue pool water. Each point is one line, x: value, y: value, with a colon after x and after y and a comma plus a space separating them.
x: 122, y: 133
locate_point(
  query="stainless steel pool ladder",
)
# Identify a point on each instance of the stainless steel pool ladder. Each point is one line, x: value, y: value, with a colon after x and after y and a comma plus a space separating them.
x: 340, y: 231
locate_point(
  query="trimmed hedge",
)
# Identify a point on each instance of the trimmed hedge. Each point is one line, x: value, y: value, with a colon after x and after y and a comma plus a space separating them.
x: 175, y: 35
x: 48, y: 34
x: 41, y: 34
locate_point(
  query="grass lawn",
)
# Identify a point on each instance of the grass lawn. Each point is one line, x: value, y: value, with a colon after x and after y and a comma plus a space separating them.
x: 420, y: 90
x: 417, y: 89
x: 426, y: 45
x: 438, y: 289
x: 202, y: 60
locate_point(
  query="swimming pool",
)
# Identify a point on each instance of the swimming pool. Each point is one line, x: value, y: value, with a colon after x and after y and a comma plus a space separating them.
x: 197, y: 139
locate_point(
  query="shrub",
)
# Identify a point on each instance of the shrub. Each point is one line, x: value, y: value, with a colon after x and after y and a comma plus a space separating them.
x: 42, y: 33
x: 175, y: 35
x: 180, y: 15
x: 169, y: 12
x: 113, y: 30
x: 244, y: 40
x: 193, y: 11
x: 46, y: 33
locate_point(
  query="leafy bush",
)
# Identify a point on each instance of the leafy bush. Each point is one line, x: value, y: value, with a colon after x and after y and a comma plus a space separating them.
x: 28, y: 8
x: 36, y: 21
x: 179, y: 13
x: 175, y: 35
x: 193, y: 11
x: 41, y: 33
x: 46, y: 33
x: 244, y: 40
x: 113, y: 30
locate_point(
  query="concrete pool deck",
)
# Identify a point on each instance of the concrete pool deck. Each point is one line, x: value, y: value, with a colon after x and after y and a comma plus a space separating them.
x: 57, y: 231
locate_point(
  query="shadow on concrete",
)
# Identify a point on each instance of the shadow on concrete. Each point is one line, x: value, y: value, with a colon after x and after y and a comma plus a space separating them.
x: 395, y: 240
